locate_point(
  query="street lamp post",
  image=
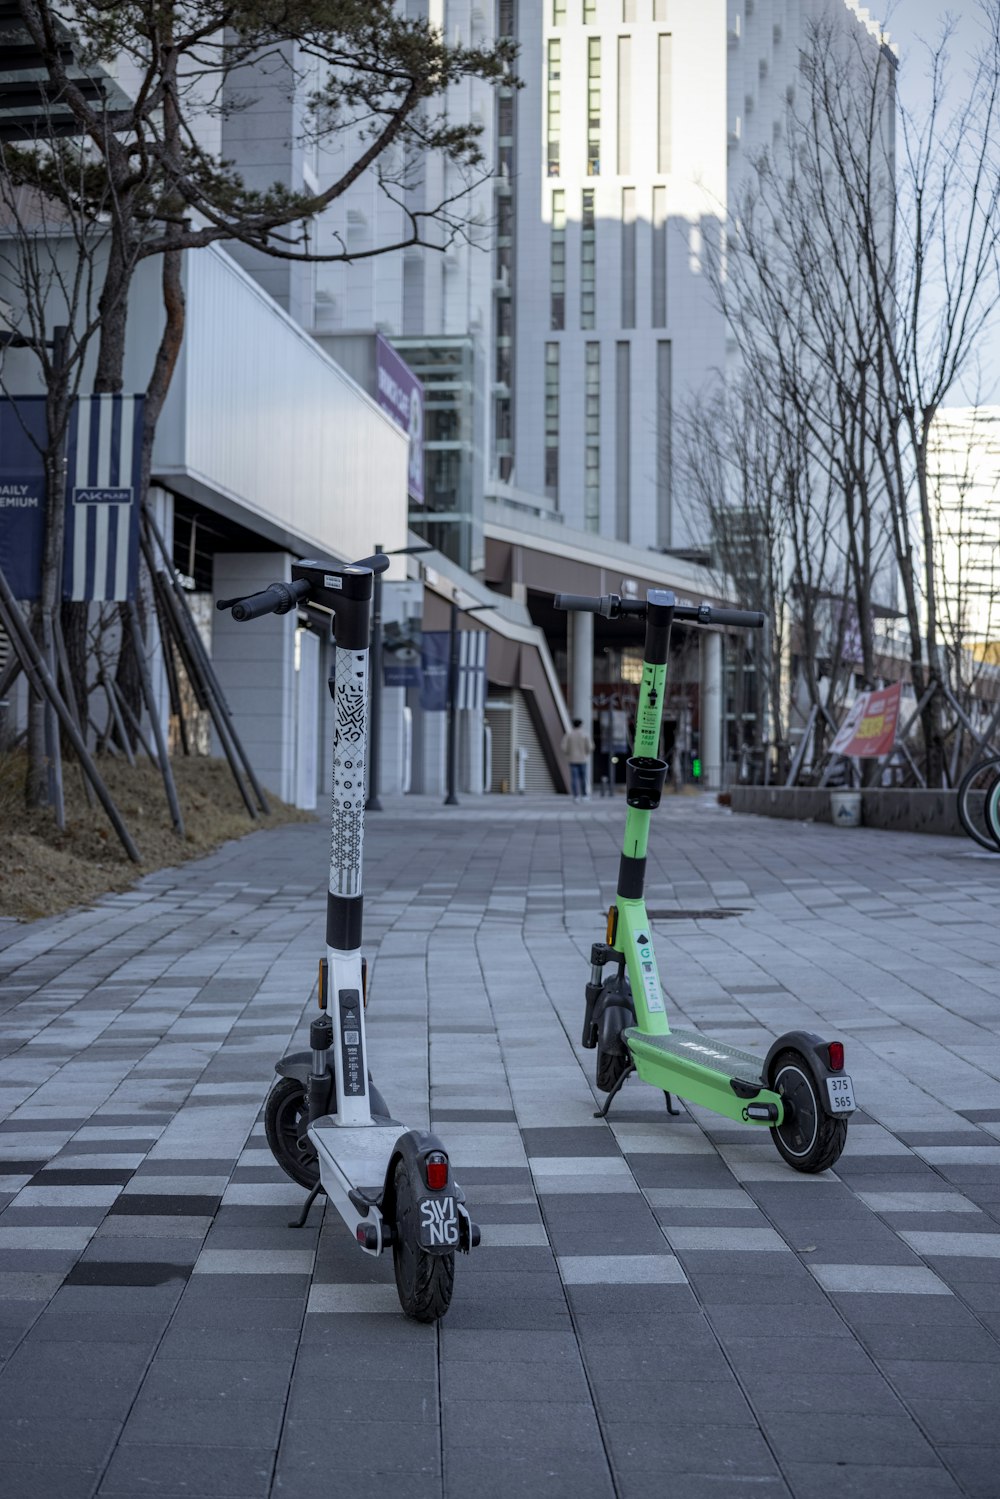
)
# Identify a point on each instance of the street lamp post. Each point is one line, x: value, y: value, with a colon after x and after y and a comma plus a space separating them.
x: 451, y: 800
x: 373, y: 804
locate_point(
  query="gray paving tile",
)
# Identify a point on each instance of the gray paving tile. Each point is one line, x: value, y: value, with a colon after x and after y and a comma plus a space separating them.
x: 165, y: 1471
x: 861, y: 1480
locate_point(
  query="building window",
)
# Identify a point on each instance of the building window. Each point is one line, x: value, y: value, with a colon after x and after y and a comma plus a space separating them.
x: 660, y: 10
x: 659, y: 266
x: 592, y: 438
x: 554, y: 124
x: 588, y: 255
x: 664, y: 443
x: 589, y: 12
x: 623, y: 454
x: 558, y: 12
x: 628, y: 11
x: 552, y: 421
x: 624, y: 106
x: 557, y: 264
x: 663, y: 103
x: 593, y: 106
x: 628, y: 257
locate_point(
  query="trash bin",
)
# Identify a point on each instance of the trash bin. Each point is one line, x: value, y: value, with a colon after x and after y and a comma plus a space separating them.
x: 845, y: 809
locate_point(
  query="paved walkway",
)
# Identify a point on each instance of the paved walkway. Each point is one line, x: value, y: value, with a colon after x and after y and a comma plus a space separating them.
x: 659, y: 1307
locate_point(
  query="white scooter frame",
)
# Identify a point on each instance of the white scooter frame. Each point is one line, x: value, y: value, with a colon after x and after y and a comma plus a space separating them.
x: 327, y: 1125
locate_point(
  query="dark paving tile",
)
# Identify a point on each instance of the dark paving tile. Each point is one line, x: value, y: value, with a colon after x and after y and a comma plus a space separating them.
x: 189, y: 1422
x: 494, y: 1473
x: 862, y: 1481
x: 853, y: 1437
x: 51, y: 1479
x: 696, y: 1447
x: 97, y: 1272
x: 230, y: 1472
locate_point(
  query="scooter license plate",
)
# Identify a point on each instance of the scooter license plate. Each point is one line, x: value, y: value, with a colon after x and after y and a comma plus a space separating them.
x: 840, y: 1091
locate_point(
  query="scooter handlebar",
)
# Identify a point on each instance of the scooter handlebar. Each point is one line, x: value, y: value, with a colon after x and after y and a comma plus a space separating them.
x: 613, y: 607
x: 585, y: 603
x: 279, y: 598
x: 710, y: 614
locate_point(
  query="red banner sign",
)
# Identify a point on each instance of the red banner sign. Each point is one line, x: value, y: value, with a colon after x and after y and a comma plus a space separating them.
x: 869, y: 730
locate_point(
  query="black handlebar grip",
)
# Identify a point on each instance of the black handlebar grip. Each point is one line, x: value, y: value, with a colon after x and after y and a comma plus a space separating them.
x: 585, y: 603
x: 377, y: 563
x: 749, y: 619
x: 278, y: 599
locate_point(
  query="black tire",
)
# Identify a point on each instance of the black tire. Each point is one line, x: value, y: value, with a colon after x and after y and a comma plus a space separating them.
x: 283, y: 1113
x: 976, y: 796
x: 808, y: 1138
x: 424, y: 1281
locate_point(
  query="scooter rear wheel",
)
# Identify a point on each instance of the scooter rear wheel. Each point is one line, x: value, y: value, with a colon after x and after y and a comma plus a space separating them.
x: 807, y: 1138
x: 424, y: 1281
x: 284, y: 1114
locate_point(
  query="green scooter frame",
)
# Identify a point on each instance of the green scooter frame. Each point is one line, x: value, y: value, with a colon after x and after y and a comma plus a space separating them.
x: 799, y: 1092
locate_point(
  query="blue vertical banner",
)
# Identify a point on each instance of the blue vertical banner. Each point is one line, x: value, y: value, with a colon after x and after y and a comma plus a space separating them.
x: 470, y: 690
x: 22, y: 494
x: 103, y: 466
x: 434, y: 653
x: 103, y: 457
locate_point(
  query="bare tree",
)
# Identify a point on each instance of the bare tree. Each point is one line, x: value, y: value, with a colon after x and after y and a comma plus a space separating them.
x: 857, y: 280
x: 50, y: 244
x: 141, y: 177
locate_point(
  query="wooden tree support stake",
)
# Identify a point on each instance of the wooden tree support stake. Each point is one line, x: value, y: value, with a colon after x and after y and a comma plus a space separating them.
x: 37, y: 672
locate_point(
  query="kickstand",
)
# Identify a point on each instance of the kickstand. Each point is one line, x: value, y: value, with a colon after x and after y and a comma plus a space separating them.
x: 603, y: 1113
x: 300, y: 1221
x: 670, y: 1103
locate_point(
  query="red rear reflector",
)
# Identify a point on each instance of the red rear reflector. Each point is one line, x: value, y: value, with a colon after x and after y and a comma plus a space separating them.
x: 361, y: 1233
x: 436, y: 1171
x: 835, y: 1051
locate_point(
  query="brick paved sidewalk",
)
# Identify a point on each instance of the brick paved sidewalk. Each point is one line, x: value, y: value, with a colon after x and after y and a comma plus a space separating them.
x: 660, y: 1306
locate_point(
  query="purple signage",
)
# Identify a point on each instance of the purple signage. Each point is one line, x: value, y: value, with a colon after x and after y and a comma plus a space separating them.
x: 401, y: 395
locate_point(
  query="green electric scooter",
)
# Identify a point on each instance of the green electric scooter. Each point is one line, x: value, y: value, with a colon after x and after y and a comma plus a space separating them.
x: 800, y: 1092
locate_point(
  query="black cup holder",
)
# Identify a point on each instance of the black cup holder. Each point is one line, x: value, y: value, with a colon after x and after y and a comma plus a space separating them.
x: 644, y: 778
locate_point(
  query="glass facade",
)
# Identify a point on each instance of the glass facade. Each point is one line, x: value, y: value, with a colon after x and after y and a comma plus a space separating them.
x: 557, y: 266
x: 451, y: 519
x: 552, y: 421
x: 588, y: 259
x: 593, y: 106
x: 554, y: 105
x: 592, y: 438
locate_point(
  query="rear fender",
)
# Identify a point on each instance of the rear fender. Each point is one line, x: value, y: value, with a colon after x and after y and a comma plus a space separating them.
x: 813, y: 1049
x: 443, y: 1218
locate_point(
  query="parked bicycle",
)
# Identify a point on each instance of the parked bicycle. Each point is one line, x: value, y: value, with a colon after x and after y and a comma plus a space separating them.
x: 979, y: 803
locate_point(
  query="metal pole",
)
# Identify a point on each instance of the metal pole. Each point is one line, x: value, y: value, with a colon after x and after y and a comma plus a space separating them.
x: 375, y: 699
x: 451, y: 800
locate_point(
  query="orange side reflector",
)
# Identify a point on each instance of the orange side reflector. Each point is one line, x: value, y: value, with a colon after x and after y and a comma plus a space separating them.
x: 612, y: 925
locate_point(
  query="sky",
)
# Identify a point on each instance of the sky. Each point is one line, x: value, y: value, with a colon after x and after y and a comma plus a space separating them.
x: 909, y: 24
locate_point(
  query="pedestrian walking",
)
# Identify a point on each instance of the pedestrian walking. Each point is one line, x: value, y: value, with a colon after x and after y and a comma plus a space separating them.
x: 578, y: 747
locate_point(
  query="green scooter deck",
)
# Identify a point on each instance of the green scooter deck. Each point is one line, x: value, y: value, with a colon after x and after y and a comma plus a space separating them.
x: 693, y: 1047
x: 698, y: 1068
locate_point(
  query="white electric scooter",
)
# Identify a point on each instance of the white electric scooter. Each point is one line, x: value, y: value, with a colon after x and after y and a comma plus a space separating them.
x: 326, y: 1123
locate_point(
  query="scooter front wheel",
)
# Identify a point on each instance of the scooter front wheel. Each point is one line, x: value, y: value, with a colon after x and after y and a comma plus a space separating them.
x: 424, y: 1281
x: 807, y: 1138
x: 284, y: 1116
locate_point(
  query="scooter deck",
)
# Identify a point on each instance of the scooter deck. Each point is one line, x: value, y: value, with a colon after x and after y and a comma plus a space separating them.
x: 690, y: 1046
x: 358, y: 1153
